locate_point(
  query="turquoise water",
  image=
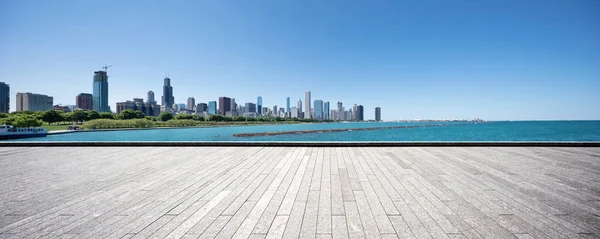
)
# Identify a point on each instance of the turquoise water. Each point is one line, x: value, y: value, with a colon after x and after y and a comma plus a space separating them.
x: 490, y: 131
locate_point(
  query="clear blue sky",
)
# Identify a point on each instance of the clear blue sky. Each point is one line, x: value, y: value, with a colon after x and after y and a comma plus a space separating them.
x: 497, y: 60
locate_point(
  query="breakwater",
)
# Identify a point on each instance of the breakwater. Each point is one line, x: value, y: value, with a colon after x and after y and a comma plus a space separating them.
x: 334, y: 130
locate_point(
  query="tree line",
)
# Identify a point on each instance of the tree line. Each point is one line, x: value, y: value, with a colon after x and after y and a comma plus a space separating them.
x: 36, y: 119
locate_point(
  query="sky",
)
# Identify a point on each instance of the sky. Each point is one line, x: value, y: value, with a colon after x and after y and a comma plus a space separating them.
x: 495, y: 60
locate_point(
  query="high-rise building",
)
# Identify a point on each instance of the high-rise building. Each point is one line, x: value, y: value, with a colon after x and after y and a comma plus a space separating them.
x: 295, y: 112
x: 354, y: 112
x: 307, y: 103
x: 84, y: 101
x: 33, y: 102
x: 259, y: 104
x: 265, y: 111
x: 212, y: 107
x: 100, y: 94
x: 340, y: 110
x: 360, y: 113
x: 318, y: 109
x: 377, y: 114
x: 151, y: 96
x: 127, y: 105
x: 250, y: 108
x: 168, y: 99
x: 274, y: 110
x: 281, y: 112
x: 233, y: 105
x: 224, y: 105
x: 191, y: 103
x: 326, y: 111
x: 4, y: 97
x: 201, y: 107
x: 287, y: 109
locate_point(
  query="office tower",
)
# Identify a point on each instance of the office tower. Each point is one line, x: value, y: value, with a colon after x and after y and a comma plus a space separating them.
x: 275, y: 110
x: 212, y: 107
x: 191, y: 102
x: 224, y: 105
x: 318, y: 109
x: 265, y: 111
x: 100, y: 94
x: 84, y: 101
x: 151, y: 96
x: 340, y: 106
x: 360, y: 113
x: 281, y: 112
x: 250, y: 108
x: 168, y: 99
x: 127, y: 105
x: 332, y: 114
x: 259, y: 104
x: 377, y: 114
x: 326, y: 111
x: 295, y: 112
x: 307, y: 103
x: 354, y: 112
x: 181, y: 107
x: 201, y: 107
x: 33, y: 102
x: 299, y: 106
x: 287, y: 101
x: 233, y: 105
x: 4, y: 97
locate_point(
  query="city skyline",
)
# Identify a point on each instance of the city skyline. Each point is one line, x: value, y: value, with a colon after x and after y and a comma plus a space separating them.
x: 472, y: 61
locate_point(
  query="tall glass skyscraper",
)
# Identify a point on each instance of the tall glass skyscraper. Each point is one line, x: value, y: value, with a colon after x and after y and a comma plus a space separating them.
x: 326, y: 111
x: 307, y: 105
x: 377, y: 114
x: 318, y: 107
x: 4, y: 97
x: 212, y: 107
x: 259, y: 105
x: 168, y: 99
x: 287, y: 105
x: 100, y: 94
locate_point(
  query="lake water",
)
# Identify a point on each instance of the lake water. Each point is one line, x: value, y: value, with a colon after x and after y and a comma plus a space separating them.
x: 489, y: 131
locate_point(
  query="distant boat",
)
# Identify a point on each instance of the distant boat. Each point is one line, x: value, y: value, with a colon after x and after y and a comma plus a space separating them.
x: 10, y: 132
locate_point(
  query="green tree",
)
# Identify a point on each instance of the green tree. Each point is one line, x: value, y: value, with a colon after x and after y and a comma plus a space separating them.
x: 79, y: 116
x: 139, y: 114
x: 198, y: 118
x: 3, y: 115
x: 107, y: 115
x: 27, y: 121
x: 67, y: 116
x: 165, y: 116
x: 51, y: 116
x: 128, y: 114
x: 216, y: 118
x: 92, y: 115
x: 151, y: 118
x: 184, y: 117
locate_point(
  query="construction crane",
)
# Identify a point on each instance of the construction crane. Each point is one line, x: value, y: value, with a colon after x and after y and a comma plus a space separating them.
x: 105, y: 67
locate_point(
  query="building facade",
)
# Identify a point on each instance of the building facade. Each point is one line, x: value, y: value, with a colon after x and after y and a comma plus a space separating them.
x: 100, y: 93
x: 360, y: 113
x: 151, y: 96
x: 295, y: 112
x: 250, y: 108
x: 307, y: 103
x: 224, y: 105
x: 326, y: 111
x: 168, y: 100
x: 85, y: 101
x: 4, y: 97
x: 259, y: 105
x: 212, y: 107
x: 201, y: 107
x: 33, y: 102
x: 377, y: 114
x: 287, y: 105
x: 318, y: 109
x: 191, y: 103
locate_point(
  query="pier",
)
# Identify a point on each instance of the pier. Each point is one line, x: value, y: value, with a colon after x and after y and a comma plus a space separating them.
x: 300, y: 192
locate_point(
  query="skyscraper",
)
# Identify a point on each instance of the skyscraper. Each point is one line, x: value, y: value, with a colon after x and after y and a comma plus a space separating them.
x: 212, y: 107
x: 354, y: 112
x: 201, y: 107
x: 377, y: 114
x: 318, y: 109
x: 151, y: 96
x: 326, y: 111
x: 33, y: 102
x: 191, y: 103
x: 4, y: 97
x: 168, y: 99
x: 84, y: 101
x: 250, y: 108
x: 360, y: 113
x: 287, y: 109
x: 307, y: 105
x: 259, y: 104
x: 233, y: 105
x: 100, y: 94
x: 224, y: 105
x: 340, y: 110
x: 299, y: 107
x: 275, y: 110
